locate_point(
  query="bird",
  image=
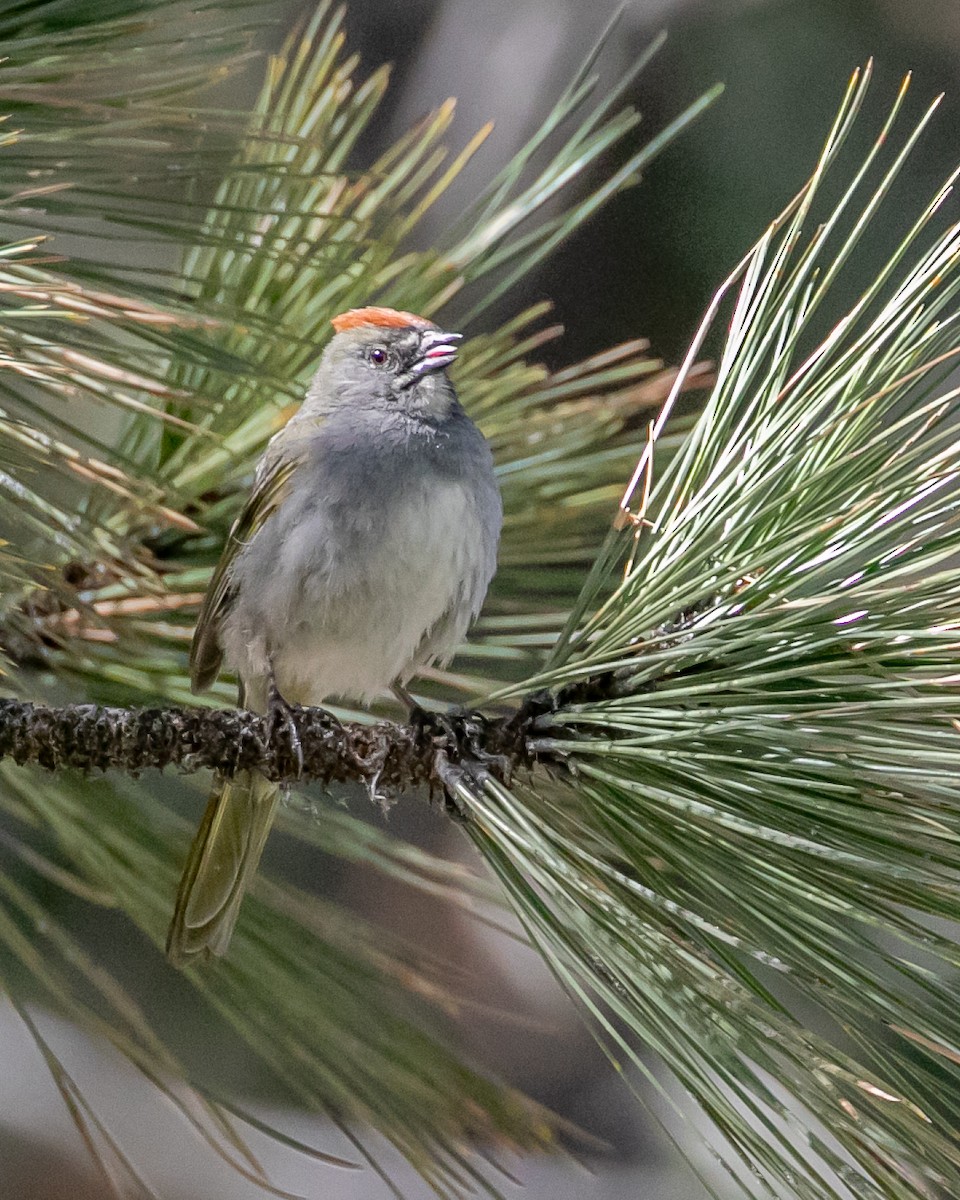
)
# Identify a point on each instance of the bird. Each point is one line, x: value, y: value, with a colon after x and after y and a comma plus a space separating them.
x: 363, y: 553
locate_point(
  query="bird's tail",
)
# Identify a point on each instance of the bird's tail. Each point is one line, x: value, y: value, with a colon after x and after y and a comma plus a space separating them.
x: 222, y: 861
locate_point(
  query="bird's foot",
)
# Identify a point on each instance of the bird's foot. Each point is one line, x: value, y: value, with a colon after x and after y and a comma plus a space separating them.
x: 439, y: 728
x: 461, y: 760
x: 280, y: 717
x: 463, y: 734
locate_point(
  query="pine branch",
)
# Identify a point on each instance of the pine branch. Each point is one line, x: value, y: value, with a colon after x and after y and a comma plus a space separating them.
x: 386, y: 757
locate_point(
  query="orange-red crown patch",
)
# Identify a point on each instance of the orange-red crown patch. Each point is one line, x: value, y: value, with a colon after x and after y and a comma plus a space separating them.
x: 384, y: 318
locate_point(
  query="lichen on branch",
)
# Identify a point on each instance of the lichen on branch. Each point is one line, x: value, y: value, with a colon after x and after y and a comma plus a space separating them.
x: 385, y: 756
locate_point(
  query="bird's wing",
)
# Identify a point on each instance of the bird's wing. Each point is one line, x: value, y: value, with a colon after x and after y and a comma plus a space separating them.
x: 268, y: 492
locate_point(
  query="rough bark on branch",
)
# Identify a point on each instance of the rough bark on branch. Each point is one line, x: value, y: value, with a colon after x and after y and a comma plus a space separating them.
x: 385, y: 756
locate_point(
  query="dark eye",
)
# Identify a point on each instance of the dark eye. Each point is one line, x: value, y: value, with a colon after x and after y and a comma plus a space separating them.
x: 378, y: 356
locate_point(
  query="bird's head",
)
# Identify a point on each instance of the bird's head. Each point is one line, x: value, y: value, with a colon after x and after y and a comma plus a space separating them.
x: 382, y: 358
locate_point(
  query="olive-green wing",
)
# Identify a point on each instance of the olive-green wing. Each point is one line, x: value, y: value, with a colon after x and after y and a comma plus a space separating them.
x: 269, y: 489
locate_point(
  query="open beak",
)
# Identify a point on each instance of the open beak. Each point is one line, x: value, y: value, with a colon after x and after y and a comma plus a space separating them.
x: 437, y: 350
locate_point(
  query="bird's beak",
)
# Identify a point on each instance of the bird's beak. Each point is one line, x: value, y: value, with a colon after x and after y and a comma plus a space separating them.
x: 437, y: 350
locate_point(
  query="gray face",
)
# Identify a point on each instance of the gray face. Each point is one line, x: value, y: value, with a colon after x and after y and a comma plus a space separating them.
x: 384, y: 368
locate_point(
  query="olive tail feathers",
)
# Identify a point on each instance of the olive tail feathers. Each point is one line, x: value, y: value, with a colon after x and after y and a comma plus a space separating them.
x: 222, y: 861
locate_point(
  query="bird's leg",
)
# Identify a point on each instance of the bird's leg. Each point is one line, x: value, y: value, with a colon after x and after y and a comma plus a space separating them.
x: 429, y: 724
x: 280, y: 716
x: 439, y: 727
x: 405, y: 698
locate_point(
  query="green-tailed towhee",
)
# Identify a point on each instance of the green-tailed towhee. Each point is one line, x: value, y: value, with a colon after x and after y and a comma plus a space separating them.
x: 363, y: 553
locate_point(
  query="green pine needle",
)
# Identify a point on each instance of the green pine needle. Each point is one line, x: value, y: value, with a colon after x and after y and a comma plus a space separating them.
x: 762, y: 814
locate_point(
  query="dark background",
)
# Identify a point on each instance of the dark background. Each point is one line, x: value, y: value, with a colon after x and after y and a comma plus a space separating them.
x: 649, y: 263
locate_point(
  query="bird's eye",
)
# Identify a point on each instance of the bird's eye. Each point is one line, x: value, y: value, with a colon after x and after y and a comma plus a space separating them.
x: 378, y: 356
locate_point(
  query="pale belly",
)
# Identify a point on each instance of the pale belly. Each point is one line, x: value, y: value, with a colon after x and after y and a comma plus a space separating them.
x: 348, y: 614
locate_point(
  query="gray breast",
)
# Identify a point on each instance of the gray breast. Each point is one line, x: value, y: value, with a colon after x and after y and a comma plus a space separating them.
x: 377, y: 562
